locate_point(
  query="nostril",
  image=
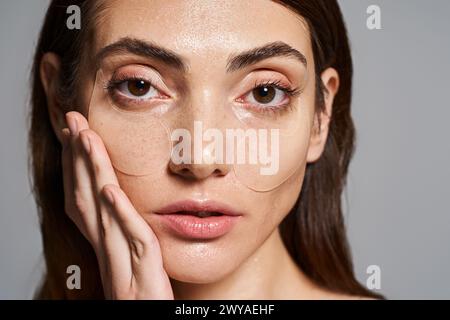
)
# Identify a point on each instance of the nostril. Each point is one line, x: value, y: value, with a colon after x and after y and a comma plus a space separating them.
x: 185, y: 170
x: 186, y: 173
x: 197, y: 171
x: 218, y: 172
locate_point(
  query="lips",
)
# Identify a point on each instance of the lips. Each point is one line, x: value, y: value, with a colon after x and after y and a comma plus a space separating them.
x: 198, y: 219
x: 201, y: 214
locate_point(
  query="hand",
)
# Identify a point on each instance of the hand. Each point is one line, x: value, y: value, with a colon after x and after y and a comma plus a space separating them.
x: 126, y: 247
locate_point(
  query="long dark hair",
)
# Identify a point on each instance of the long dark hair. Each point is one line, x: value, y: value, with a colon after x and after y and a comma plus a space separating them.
x: 313, y: 231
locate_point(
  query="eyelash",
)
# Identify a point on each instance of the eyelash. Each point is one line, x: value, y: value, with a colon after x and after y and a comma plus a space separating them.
x: 113, y: 84
x: 277, y: 84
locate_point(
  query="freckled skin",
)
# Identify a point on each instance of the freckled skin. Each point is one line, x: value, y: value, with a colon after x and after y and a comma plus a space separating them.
x: 249, y: 261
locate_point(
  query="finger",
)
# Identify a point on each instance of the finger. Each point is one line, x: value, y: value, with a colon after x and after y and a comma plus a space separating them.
x: 148, y: 274
x: 115, y: 250
x: 66, y: 159
x: 110, y: 232
x: 101, y: 172
x: 83, y: 196
x: 100, y: 163
x: 67, y: 167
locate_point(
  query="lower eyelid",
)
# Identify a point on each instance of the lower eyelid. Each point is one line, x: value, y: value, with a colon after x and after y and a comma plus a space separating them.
x: 279, y: 109
x: 123, y: 99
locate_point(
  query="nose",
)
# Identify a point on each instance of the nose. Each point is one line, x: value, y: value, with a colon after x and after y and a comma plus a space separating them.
x: 202, y: 116
x: 203, y: 160
x: 199, y: 171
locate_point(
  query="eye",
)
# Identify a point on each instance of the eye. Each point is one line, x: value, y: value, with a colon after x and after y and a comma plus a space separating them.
x: 267, y: 96
x: 264, y: 94
x: 137, y: 88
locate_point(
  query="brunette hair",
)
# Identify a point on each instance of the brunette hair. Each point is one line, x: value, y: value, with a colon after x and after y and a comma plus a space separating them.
x: 314, y: 230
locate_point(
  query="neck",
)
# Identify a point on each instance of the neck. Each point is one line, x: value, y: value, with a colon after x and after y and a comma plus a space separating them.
x: 269, y: 273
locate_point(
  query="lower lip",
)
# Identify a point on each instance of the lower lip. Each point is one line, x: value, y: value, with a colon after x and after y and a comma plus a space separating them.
x: 193, y: 227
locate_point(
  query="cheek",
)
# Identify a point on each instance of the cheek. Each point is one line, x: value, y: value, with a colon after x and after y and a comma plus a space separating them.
x: 144, y: 193
x: 280, y: 201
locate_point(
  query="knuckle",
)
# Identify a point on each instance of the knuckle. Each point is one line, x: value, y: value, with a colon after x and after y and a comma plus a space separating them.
x: 86, y: 133
x: 96, y: 166
x: 105, y: 223
x: 138, y: 249
x: 80, y: 201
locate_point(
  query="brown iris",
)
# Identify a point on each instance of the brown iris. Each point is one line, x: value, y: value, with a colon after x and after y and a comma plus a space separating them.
x: 264, y: 94
x: 138, y: 87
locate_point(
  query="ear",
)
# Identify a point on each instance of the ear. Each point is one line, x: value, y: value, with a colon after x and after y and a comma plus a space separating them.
x: 319, y: 134
x: 49, y: 72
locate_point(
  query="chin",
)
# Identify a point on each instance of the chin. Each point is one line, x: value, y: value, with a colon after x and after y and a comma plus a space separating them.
x: 198, y: 262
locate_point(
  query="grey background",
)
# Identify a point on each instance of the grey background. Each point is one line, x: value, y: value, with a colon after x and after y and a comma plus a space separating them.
x: 397, y: 205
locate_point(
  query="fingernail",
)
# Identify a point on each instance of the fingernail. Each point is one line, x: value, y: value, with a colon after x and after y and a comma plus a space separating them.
x: 72, y: 124
x: 109, y: 196
x: 86, y: 141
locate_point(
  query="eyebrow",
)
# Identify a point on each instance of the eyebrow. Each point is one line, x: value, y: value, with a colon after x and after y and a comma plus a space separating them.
x: 235, y: 62
x: 270, y: 50
x: 141, y: 48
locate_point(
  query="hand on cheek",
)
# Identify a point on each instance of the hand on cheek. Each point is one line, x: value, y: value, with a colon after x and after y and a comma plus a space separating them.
x: 127, y: 249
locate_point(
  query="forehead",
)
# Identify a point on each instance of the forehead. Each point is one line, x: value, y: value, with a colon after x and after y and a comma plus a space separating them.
x: 202, y: 28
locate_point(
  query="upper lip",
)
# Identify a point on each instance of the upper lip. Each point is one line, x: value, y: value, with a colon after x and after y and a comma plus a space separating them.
x: 197, y: 206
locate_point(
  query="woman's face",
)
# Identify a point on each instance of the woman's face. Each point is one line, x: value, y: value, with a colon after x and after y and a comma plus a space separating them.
x: 204, y: 34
